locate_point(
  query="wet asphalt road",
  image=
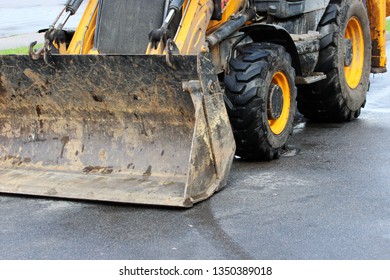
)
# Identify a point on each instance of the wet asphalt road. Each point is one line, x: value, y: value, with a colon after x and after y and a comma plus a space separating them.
x: 329, y: 201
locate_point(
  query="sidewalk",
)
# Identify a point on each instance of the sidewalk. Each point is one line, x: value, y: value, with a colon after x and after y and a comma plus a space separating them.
x: 12, y: 42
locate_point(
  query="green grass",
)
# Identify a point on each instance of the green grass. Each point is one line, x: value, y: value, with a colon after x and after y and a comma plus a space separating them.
x: 20, y: 50
x: 388, y: 25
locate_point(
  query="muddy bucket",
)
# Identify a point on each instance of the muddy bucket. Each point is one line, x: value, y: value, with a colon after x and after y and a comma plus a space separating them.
x: 113, y: 128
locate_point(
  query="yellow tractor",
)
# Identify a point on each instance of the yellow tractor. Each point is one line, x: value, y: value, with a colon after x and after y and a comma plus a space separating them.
x: 149, y: 101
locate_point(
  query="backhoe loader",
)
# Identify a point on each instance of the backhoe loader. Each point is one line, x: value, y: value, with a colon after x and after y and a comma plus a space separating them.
x: 148, y: 102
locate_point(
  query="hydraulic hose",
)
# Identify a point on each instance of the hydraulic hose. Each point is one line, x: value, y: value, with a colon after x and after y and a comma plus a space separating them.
x: 176, y: 4
x: 229, y: 28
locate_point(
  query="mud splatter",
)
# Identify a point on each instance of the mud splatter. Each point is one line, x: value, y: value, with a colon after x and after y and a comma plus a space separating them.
x: 148, y: 171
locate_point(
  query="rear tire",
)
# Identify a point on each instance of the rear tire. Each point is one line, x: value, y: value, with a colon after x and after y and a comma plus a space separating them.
x: 261, y: 100
x: 345, y: 57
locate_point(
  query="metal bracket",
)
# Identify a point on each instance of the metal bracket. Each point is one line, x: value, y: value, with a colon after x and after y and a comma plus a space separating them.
x: 313, y: 78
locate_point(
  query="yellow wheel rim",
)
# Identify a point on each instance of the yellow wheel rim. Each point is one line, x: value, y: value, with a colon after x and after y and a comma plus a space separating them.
x: 354, y: 71
x: 277, y: 126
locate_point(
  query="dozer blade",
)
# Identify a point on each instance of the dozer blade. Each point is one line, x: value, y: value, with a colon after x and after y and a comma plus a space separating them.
x: 114, y: 128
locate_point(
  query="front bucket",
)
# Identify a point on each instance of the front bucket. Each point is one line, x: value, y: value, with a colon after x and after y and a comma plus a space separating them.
x: 113, y: 128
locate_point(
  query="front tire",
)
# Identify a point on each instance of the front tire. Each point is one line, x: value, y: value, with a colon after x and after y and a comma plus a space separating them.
x: 261, y: 100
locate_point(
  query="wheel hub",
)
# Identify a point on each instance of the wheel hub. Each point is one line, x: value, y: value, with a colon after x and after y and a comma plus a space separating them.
x: 275, y: 102
x: 348, y: 53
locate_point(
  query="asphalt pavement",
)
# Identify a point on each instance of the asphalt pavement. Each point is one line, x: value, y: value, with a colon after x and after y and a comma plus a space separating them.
x: 329, y: 198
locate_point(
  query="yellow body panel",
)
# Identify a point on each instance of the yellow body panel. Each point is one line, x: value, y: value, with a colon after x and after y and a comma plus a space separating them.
x: 191, y: 36
x: 387, y: 8
x: 231, y: 8
x: 377, y: 14
x: 196, y: 24
x: 82, y: 41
